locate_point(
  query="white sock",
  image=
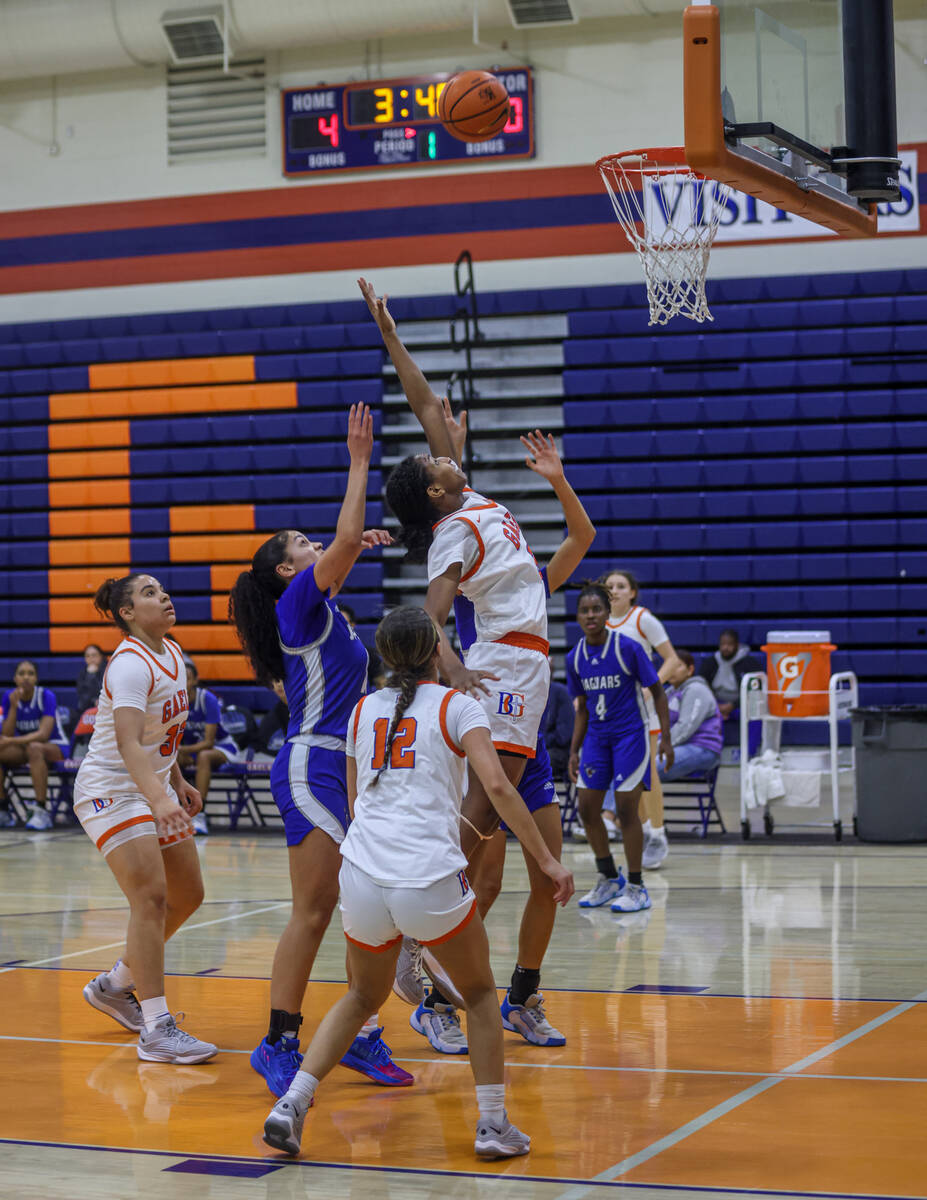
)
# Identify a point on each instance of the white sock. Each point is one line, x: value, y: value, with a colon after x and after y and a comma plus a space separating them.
x: 491, y: 1100
x: 370, y: 1025
x: 120, y: 976
x: 648, y: 828
x: 302, y: 1089
x: 657, y: 831
x: 153, y: 1011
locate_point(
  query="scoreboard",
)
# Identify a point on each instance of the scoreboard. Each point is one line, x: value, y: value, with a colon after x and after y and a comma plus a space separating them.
x: 393, y: 123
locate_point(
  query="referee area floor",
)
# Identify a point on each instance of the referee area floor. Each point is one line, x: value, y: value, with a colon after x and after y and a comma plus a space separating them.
x: 761, y: 1031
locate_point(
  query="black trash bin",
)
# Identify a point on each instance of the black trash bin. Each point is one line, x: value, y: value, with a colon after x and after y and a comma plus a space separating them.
x: 891, y: 773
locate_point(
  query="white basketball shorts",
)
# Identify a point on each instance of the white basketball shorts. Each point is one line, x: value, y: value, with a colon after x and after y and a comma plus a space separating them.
x: 516, y: 699
x: 375, y: 917
x: 111, y: 821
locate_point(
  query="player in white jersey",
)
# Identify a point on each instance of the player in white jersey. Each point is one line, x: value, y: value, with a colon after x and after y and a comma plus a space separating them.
x: 638, y: 623
x: 402, y: 869
x: 136, y: 807
x: 474, y: 545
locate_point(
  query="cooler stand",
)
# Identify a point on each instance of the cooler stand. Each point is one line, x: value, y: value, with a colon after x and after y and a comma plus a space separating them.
x: 842, y: 696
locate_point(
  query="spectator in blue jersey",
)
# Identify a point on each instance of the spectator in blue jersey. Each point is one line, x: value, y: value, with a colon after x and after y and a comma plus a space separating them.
x: 695, y: 722
x: 30, y: 732
x: 376, y: 675
x: 606, y: 675
x: 206, y: 742
x: 90, y: 680
x: 291, y: 629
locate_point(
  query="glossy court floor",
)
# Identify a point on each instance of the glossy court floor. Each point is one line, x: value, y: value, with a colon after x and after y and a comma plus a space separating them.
x: 763, y: 1030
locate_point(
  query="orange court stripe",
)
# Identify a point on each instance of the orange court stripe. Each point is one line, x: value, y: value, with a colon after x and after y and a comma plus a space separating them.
x: 143, y: 402
x: 79, y: 435
x: 88, y: 464
x: 81, y: 581
x: 71, y: 552
x: 100, y: 493
x: 71, y: 639
x: 207, y: 637
x: 211, y: 518
x: 167, y: 372
x: 101, y: 842
x: 227, y: 667
x: 223, y: 576
x: 204, y: 548
x: 89, y: 522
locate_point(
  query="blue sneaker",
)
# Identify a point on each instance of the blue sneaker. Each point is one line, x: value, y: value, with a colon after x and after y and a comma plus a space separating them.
x: 278, y: 1064
x: 530, y: 1020
x: 371, y: 1056
x: 604, y: 892
x: 634, y: 898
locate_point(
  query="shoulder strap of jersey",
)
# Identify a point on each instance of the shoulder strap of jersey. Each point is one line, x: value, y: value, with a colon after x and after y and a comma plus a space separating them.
x: 442, y: 721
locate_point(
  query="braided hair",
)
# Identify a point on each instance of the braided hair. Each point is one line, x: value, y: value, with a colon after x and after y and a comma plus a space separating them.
x: 114, y: 594
x: 406, y: 640
x: 252, y: 608
x: 407, y: 496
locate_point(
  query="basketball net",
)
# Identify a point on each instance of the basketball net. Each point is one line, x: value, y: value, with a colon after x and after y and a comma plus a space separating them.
x: 670, y: 214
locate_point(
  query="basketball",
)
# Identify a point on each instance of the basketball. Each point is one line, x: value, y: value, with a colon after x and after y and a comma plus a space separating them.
x: 474, y: 106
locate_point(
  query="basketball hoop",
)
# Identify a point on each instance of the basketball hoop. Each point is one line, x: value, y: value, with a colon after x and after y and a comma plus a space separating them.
x: 670, y: 214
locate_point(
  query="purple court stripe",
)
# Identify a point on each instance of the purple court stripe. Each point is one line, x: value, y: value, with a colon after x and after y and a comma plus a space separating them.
x: 234, y: 1170
x: 208, y: 971
x: 666, y: 989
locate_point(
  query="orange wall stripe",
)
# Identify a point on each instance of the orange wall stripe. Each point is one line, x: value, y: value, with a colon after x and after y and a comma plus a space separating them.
x: 144, y: 402
x: 82, y: 581
x: 74, y: 551
x: 100, y: 493
x: 220, y: 607
x: 210, y: 638
x: 81, y: 436
x: 89, y: 522
x: 208, y: 518
x: 96, y: 464
x: 222, y: 576
x: 71, y: 639
x: 223, y: 666
x: 205, y: 548
x: 170, y: 372
x: 72, y: 610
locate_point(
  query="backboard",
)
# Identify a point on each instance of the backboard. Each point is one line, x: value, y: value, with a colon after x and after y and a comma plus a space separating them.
x: 794, y: 103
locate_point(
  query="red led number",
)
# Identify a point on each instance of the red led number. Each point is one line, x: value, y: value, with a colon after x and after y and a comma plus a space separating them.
x: 516, y: 121
x: 330, y: 128
x: 402, y: 753
x: 172, y: 741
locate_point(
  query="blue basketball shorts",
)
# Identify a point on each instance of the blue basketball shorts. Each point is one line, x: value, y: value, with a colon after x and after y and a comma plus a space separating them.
x: 623, y: 760
x: 536, y: 786
x: 309, y: 787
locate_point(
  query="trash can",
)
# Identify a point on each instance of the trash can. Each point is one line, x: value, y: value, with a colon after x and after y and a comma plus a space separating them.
x: 891, y: 773
x: 798, y: 672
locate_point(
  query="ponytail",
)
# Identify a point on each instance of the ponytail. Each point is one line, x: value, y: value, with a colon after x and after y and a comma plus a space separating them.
x: 407, y: 496
x: 252, y: 609
x: 112, y: 595
x: 406, y: 640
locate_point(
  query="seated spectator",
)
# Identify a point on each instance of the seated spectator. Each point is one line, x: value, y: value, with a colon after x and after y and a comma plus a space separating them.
x: 90, y: 679
x: 724, y: 670
x: 31, y: 733
x: 376, y: 676
x: 695, y: 722
x: 206, y: 743
x: 271, y: 731
x: 558, y: 728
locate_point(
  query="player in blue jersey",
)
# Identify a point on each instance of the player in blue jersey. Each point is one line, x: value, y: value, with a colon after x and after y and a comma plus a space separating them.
x: 606, y: 675
x: 206, y: 741
x: 291, y: 629
x: 30, y: 732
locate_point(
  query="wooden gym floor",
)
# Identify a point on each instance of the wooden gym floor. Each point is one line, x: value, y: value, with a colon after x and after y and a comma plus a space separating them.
x: 762, y: 1031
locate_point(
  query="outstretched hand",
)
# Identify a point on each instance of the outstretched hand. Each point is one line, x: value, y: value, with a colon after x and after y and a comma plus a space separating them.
x: 360, y: 433
x: 377, y: 306
x: 456, y: 428
x: 542, y: 455
x: 376, y: 537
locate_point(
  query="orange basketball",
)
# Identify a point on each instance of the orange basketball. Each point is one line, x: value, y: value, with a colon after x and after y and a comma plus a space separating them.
x: 473, y: 106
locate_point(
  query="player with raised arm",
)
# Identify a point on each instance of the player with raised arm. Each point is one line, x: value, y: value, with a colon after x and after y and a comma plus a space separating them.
x: 403, y: 869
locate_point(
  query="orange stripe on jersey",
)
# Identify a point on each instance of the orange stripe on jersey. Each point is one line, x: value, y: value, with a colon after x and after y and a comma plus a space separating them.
x: 101, y: 841
x: 638, y: 623
x: 176, y: 837
x: 442, y: 721
x: 171, y: 371
x: 128, y: 650
x: 522, y: 751
x: 480, y: 555
x: 470, y: 508
x: 211, y: 518
x: 446, y: 937
x: 525, y: 641
x: 357, y: 713
x: 173, y: 650
x: 375, y: 949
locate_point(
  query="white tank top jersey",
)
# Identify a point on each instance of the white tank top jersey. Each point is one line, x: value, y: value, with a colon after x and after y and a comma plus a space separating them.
x: 156, y: 684
x: 643, y: 627
x: 499, y: 573
x: 405, y: 831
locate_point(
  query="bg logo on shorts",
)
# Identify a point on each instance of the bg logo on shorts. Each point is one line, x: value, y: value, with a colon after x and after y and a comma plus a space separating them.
x: 99, y: 805
x: 464, y: 883
x: 512, y: 704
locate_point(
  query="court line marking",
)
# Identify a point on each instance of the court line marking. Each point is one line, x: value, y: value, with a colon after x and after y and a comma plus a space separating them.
x: 720, y: 1110
x: 460, y: 1061
x: 486, y: 1176
x: 112, y: 945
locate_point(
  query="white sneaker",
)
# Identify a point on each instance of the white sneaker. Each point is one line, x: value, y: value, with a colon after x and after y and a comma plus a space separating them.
x: 122, y: 1006
x: 604, y: 892
x: 283, y: 1129
x: 500, y: 1141
x: 200, y: 824
x: 441, y: 1025
x: 655, y: 852
x: 168, y: 1043
x: 633, y: 899
x: 407, y: 983
x: 39, y: 819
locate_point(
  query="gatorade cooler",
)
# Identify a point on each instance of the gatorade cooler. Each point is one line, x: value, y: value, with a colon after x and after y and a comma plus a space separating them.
x: 798, y: 672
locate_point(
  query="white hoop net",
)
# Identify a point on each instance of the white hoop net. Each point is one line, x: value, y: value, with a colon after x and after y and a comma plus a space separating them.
x: 670, y: 214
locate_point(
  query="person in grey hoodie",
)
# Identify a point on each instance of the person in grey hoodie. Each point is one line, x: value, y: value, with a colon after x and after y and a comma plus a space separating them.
x: 695, y: 722
x: 724, y: 669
